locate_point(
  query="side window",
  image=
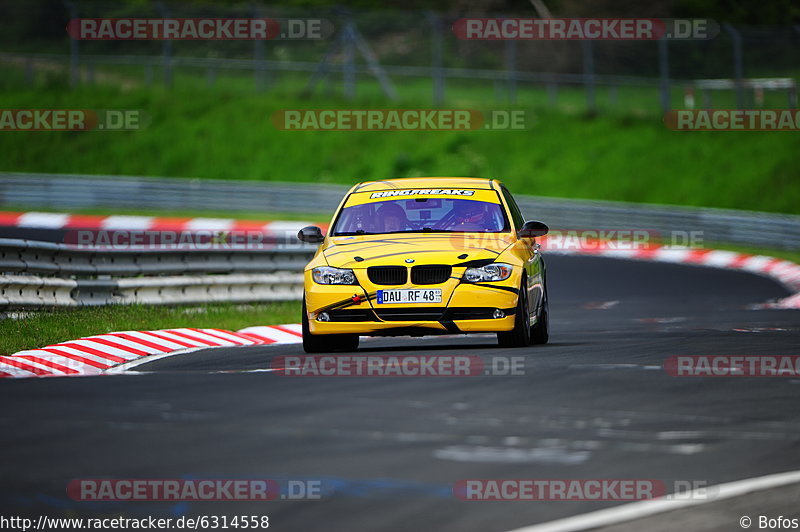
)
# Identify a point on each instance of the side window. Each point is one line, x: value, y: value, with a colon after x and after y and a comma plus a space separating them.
x: 519, y: 221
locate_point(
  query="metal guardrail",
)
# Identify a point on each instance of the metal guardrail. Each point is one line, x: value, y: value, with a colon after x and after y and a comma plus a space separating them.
x: 42, y: 274
x: 714, y: 226
x: 761, y: 229
x: 45, y: 258
x: 27, y: 291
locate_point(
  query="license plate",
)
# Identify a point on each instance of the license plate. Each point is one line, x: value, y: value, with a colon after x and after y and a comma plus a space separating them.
x: 433, y: 295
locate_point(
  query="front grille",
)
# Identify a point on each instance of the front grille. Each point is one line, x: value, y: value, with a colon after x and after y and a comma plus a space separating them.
x: 474, y: 313
x: 354, y: 314
x: 439, y: 313
x: 433, y: 274
x: 410, y: 314
x: 387, y: 275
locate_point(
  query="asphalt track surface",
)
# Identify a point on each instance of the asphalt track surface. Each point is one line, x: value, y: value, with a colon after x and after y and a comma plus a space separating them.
x: 594, y: 403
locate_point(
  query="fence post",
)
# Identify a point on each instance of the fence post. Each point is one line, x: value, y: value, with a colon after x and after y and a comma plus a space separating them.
x: 259, y: 67
x: 166, y: 50
x: 663, y: 68
x: 74, y: 53
x: 148, y: 74
x: 437, y: 68
x: 588, y: 74
x: 511, y: 70
x: 708, y: 100
x: 349, y: 69
x: 738, y: 67
x: 792, y: 91
x: 211, y: 76
x: 688, y: 97
x: 29, y: 74
x: 552, y: 91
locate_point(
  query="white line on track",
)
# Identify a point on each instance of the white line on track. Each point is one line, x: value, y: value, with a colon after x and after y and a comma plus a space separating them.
x: 641, y: 509
x: 122, y: 368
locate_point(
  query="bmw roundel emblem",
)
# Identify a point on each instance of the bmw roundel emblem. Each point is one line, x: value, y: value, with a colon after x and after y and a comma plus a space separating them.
x: 409, y: 261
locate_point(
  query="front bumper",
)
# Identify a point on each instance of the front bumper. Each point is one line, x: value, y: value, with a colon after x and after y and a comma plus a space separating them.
x: 465, y: 308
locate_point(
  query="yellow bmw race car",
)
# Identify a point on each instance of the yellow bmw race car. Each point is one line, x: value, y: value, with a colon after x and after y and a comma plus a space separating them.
x: 422, y: 256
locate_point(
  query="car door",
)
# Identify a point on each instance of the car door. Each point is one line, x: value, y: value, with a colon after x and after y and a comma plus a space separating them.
x: 534, y: 263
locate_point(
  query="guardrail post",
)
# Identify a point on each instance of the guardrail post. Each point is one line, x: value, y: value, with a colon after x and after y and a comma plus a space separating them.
x: 738, y: 67
x: 663, y: 68
x: 588, y: 74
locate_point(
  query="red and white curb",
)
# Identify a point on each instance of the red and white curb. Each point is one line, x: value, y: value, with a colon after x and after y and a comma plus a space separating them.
x: 94, y: 355
x: 51, y: 220
x: 784, y: 271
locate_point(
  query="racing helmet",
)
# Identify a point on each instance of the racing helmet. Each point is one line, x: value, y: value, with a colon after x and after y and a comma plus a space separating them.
x: 391, y: 211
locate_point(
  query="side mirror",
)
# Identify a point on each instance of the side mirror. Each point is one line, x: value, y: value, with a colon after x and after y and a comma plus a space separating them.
x: 311, y: 234
x: 532, y: 229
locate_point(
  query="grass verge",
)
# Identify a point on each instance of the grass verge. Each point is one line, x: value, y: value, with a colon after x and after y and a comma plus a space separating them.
x: 225, y: 132
x: 53, y: 326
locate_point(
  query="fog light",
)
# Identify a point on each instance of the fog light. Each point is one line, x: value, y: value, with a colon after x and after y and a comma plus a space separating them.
x: 498, y: 314
x: 323, y: 316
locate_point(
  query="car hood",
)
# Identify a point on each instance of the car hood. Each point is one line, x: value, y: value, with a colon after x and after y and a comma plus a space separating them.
x: 396, y: 249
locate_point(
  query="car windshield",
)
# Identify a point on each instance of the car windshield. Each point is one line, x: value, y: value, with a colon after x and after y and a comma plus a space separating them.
x: 421, y: 215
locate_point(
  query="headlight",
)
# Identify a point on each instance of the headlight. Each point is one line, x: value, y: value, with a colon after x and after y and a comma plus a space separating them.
x: 491, y: 272
x: 328, y: 275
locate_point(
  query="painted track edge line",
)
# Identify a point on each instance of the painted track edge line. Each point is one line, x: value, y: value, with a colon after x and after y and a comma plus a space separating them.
x: 123, y: 368
x: 640, y: 509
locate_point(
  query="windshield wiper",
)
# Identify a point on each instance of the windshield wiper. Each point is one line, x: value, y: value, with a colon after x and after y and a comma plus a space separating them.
x: 427, y: 230
x: 353, y: 233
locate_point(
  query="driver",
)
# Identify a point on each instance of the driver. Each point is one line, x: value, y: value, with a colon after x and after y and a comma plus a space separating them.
x: 393, y: 217
x: 470, y: 215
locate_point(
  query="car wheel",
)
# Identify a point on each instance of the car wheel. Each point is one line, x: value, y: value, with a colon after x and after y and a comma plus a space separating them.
x: 325, y: 343
x: 540, y: 332
x: 520, y: 335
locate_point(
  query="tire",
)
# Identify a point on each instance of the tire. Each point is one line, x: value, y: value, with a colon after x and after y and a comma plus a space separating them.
x: 325, y: 343
x: 520, y: 335
x: 540, y: 332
